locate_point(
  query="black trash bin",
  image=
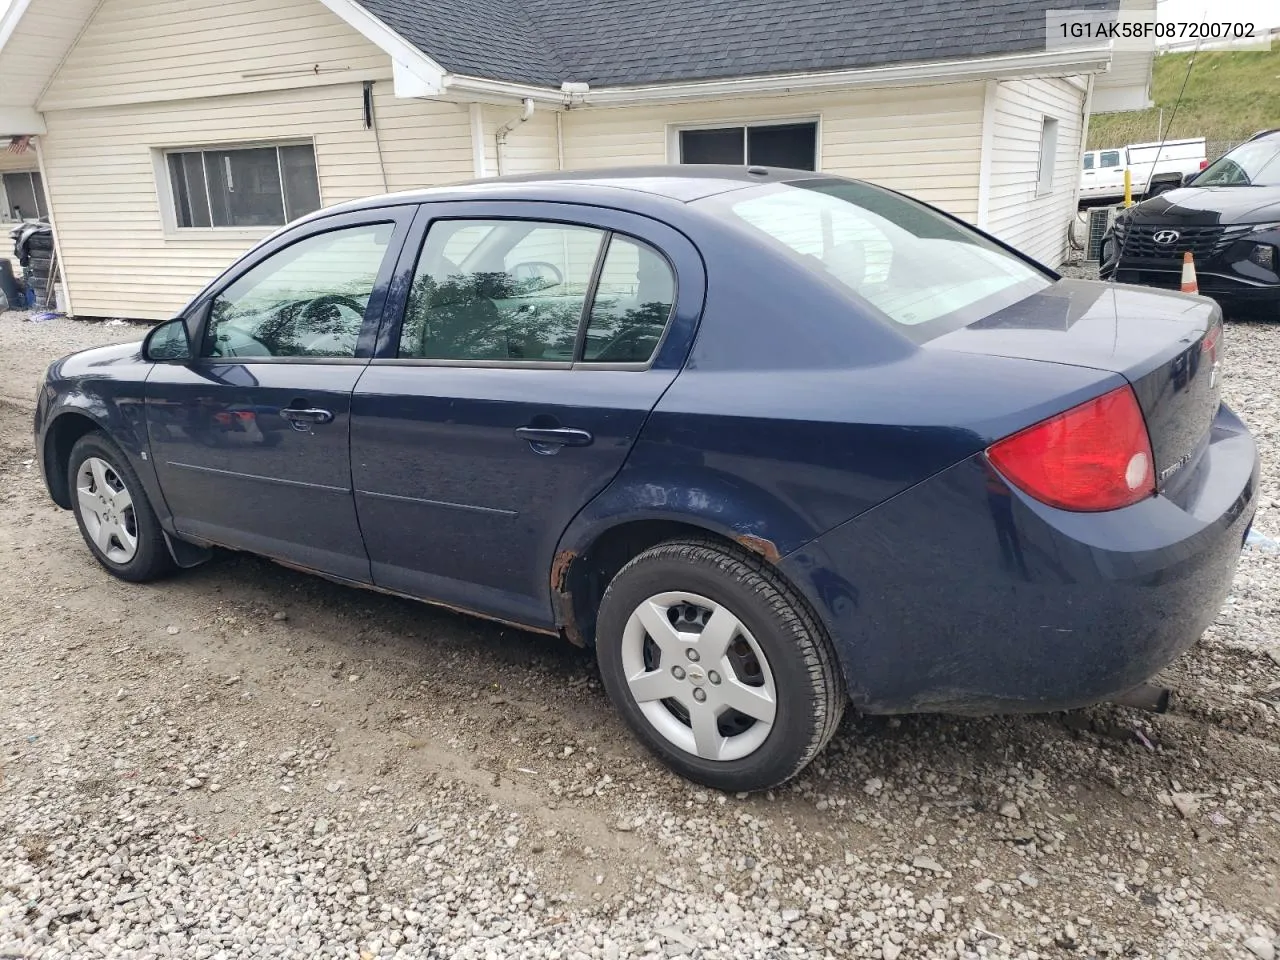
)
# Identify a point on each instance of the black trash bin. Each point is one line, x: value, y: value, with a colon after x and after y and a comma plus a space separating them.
x: 9, y: 285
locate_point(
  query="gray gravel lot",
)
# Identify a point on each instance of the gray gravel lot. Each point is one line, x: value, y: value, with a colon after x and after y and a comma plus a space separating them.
x: 245, y: 761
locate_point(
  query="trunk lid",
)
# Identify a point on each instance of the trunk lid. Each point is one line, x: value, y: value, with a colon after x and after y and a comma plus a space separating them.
x: 1166, y: 345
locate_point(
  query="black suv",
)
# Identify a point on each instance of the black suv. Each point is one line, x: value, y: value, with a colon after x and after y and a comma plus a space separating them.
x: 1227, y: 215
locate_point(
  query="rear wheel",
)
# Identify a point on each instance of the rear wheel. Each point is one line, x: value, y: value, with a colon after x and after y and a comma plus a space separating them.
x: 112, y: 510
x: 718, y: 665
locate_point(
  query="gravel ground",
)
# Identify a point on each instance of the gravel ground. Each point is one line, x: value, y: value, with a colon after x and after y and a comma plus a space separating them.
x: 245, y: 761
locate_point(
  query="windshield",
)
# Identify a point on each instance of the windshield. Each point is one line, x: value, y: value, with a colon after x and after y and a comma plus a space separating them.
x: 1253, y: 164
x: 923, y: 271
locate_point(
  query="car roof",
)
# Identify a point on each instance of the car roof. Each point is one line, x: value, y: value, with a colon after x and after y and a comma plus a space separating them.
x: 682, y: 184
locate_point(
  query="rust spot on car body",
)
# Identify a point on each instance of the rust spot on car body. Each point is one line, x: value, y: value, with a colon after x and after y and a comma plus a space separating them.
x: 766, y: 548
x: 562, y: 597
x: 560, y: 569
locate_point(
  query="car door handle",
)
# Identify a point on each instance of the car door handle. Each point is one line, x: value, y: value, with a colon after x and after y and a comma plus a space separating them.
x: 555, y: 436
x: 303, y: 418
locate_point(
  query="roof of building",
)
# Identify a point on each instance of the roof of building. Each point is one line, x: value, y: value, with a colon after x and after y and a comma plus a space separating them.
x: 635, y: 42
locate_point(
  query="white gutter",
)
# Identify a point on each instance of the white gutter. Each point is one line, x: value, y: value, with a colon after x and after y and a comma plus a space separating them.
x: 1073, y: 61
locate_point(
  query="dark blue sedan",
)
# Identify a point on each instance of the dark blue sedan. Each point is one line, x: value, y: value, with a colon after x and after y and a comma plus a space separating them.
x: 772, y: 442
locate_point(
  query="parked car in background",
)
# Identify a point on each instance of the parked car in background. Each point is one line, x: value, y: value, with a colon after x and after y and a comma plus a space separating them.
x: 1228, y: 217
x: 770, y: 441
x: 1153, y: 168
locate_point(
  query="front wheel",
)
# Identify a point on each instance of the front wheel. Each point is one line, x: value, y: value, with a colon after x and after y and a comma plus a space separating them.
x: 718, y: 665
x: 112, y: 510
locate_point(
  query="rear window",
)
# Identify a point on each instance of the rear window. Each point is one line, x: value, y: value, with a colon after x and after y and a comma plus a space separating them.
x: 924, y: 272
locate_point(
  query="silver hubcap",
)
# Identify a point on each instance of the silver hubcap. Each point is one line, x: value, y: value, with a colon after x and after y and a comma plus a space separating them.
x: 699, y: 676
x: 107, y: 510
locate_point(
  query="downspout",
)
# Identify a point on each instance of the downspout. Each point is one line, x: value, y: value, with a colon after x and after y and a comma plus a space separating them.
x: 559, y: 140
x: 500, y: 138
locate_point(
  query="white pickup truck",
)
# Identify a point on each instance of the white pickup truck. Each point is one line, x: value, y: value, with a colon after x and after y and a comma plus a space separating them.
x: 1153, y: 168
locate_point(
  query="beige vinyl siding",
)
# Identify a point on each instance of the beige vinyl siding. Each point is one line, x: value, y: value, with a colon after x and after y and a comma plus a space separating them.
x: 42, y: 38
x: 924, y: 140
x: 530, y: 146
x: 136, y: 51
x: 101, y: 168
x: 425, y: 143
x: 1036, y: 225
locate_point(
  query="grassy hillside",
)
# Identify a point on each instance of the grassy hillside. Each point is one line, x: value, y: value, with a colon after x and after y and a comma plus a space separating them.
x: 1229, y: 96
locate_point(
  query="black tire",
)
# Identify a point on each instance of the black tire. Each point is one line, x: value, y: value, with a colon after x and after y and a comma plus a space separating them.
x: 40, y: 262
x: 810, y: 696
x: 151, y: 559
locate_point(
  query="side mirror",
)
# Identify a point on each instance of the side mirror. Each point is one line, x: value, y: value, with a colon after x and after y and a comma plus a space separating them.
x: 170, y: 342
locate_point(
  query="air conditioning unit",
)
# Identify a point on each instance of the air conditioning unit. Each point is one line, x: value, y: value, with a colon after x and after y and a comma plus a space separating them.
x: 1100, y: 220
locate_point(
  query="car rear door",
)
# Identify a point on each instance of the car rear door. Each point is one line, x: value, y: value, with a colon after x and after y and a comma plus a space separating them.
x: 250, y: 439
x: 529, y: 343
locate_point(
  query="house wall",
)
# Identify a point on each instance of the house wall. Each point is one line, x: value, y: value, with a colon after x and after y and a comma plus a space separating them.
x: 136, y: 51
x: 1035, y: 224
x: 150, y: 75
x: 101, y: 166
x: 926, y: 140
x: 530, y: 147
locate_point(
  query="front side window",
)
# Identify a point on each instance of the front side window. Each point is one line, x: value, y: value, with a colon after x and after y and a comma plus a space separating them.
x: 923, y: 271
x: 518, y: 290
x: 1253, y: 164
x: 307, y: 300
x: 1088, y: 161
x: 793, y: 145
x: 265, y: 186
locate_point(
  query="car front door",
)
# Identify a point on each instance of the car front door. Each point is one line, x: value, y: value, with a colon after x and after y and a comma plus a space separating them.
x: 251, y: 439
x: 531, y: 343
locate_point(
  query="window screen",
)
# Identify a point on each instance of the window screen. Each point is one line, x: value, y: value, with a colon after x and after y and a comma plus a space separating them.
x: 1048, y: 156
x: 251, y: 187
x: 793, y: 145
x: 25, y: 196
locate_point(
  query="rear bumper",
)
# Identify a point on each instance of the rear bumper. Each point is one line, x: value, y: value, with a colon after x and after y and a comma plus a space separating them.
x: 964, y: 595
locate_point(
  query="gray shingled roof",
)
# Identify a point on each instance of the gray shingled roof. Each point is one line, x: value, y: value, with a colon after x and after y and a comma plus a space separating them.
x: 629, y: 42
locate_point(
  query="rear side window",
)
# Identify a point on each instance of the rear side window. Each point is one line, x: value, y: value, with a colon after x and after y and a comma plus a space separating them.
x: 533, y: 292
x: 633, y: 301
x: 923, y: 271
x: 1109, y: 158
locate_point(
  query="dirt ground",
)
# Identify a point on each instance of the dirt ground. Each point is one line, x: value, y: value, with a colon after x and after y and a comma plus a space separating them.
x: 248, y: 761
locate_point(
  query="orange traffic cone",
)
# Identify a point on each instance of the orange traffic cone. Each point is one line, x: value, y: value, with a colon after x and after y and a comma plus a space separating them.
x: 1189, y: 282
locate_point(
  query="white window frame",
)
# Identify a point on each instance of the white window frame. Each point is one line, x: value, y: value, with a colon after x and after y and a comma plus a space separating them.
x: 168, y: 203
x: 1047, y: 166
x: 674, y: 130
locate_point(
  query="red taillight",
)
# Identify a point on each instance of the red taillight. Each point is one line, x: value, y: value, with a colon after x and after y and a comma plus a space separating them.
x: 1203, y: 164
x: 1096, y: 456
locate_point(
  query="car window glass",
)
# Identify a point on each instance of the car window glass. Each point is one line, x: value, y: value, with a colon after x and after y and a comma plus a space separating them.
x: 499, y: 290
x: 922, y: 270
x: 1109, y: 158
x: 307, y: 300
x: 633, y: 302
x: 1251, y: 164
x: 1088, y: 161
